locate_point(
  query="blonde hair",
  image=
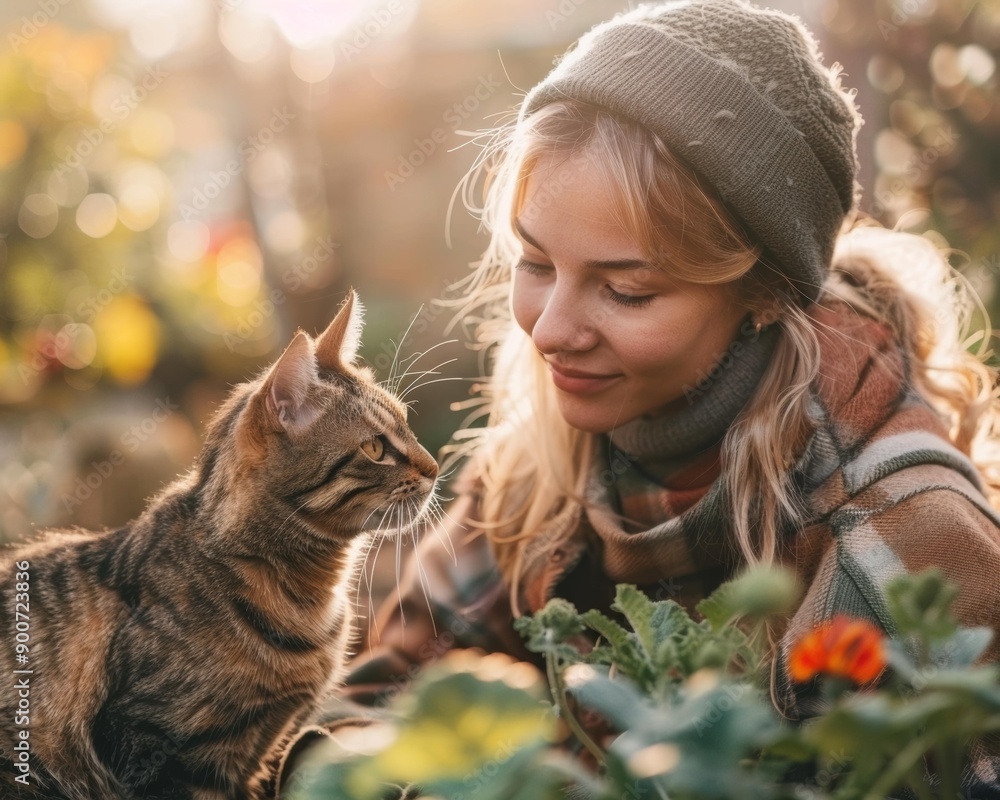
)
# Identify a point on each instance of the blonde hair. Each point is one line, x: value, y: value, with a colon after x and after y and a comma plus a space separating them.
x: 532, y: 464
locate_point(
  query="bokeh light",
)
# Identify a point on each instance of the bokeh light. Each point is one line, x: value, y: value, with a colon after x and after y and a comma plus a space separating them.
x: 128, y: 335
x: 13, y: 142
x: 39, y: 215
x: 188, y: 241
x: 97, y: 215
x: 314, y: 64
x: 239, y: 271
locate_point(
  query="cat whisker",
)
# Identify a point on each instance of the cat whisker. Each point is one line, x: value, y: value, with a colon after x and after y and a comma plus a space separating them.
x: 414, y: 386
x: 370, y: 577
x: 445, y: 513
x: 367, y: 579
x: 423, y: 373
x: 415, y: 358
x: 399, y: 593
x: 419, y: 376
x: 392, y: 366
x: 442, y: 477
x: 371, y: 543
x: 372, y: 619
x: 411, y: 371
x: 372, y: 512
x: 425, y: 584
x: 438, y: 514
x: 284, y: 522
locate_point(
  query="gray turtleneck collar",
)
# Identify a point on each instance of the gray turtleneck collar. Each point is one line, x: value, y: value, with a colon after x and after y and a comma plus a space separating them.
x: 714, y: 403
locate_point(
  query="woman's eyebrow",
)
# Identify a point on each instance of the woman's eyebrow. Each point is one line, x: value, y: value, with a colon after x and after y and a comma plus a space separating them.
x: 614, y: 263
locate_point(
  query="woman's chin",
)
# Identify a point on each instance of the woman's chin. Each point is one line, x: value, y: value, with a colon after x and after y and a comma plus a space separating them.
x: 590, y: 416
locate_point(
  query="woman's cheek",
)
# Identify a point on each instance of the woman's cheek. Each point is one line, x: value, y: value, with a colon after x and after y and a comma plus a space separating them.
x: 647, y: 347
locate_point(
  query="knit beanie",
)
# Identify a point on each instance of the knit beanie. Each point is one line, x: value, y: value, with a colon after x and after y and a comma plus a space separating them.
x: 741, y: 95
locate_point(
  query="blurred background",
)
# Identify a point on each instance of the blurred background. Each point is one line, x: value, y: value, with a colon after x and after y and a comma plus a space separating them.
x: 183, y: 183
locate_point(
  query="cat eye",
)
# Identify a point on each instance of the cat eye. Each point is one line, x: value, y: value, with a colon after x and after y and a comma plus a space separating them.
x: 373, y: 449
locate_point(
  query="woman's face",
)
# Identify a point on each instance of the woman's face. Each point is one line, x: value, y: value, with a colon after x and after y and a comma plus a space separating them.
x: 621, y: 338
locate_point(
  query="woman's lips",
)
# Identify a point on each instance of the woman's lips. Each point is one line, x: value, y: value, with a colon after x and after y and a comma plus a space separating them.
x: 578, y: 382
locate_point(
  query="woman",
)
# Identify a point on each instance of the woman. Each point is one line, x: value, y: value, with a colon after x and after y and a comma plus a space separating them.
x: 704, y: 359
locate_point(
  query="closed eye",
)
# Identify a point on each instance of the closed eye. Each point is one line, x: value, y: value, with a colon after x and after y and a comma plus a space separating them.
x: 627, y: 300
x: 630, y: 300
x: 531, y: 267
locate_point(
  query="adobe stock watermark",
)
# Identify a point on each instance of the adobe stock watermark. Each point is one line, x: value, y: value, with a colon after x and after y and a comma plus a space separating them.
x: 370, y: 28
x: 63, y: 340
x: 730, y: 696
x: 981, y: 279
x: 293, y: 279
x: 562, y: 12
x: 249, y: 148
x: 425, y: 147
x: 723, y: 362
x: 48, y: 353
x: 429, y: 652
x: 120, y: 280
x: 477, y: 780
x: 129, y: 442
x: 121, y: 107
x: 826, y: 778
x: 31, y: 26
x: 902, y: 10
x: 618, y: 465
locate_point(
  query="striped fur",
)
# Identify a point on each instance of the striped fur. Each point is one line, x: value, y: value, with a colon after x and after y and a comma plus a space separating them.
x: 172, y: 657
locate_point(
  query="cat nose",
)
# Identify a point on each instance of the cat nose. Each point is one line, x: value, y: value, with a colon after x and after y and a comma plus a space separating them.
x: 424, y: 463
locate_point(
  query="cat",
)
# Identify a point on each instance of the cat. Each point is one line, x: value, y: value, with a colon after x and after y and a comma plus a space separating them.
x: 172, y: 657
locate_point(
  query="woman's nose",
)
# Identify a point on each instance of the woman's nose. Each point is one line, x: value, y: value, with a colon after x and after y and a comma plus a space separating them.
x: 565, y: 322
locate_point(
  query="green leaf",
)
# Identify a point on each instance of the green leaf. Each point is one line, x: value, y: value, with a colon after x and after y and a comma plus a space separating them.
x: 618, y: 701
x: 616, y: 635
x: 920, y: 604
x: 653, y: 622
x: 457, y: 722
x: 625, y: 650
x: 547, y: 631
x: 712, y: 730
x: 517, y: 775
x: 759, y: 592
x: 962, y: 648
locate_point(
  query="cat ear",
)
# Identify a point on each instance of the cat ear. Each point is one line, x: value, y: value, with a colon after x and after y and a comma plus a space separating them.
x: 286, y: 390
x: 337, y: 347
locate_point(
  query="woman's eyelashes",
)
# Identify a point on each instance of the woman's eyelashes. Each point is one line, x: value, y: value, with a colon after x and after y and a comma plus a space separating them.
x: 531, y: 267
x: 628, y: 300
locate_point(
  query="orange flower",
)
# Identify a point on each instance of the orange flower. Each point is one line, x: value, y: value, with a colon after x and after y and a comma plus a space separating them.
x: 843, y: 647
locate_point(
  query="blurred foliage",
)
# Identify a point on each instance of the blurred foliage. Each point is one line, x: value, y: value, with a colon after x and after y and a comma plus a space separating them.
x: 182, y: 184
x: 689, y: 709
x: 934, y: 105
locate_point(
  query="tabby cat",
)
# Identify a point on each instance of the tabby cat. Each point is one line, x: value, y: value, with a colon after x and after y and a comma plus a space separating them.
x: 171, y: 658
